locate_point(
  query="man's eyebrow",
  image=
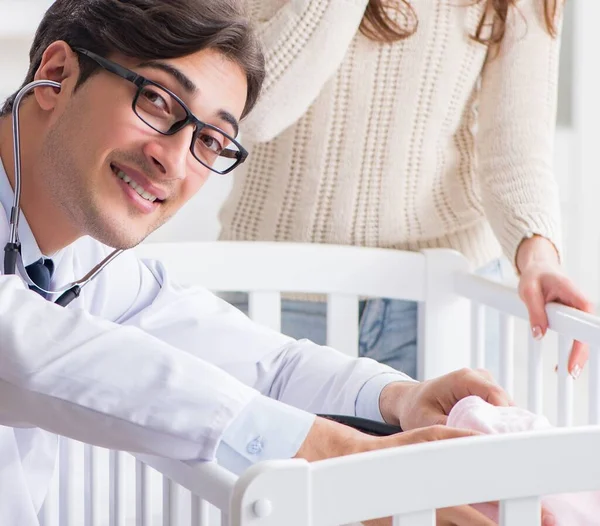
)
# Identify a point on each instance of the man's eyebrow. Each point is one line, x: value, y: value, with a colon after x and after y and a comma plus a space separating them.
x: 189, y: 87
x: 229, y: 118
x: 177, y: 74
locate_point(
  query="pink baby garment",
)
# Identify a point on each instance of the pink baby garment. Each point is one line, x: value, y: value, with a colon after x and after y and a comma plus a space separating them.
x: 571, y: 509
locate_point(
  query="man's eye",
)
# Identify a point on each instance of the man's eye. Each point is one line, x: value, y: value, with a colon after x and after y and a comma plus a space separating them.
x: 155, y: 99
x: 211, y: 143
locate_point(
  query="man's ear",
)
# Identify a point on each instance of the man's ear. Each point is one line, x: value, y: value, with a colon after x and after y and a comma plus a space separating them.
x: 60, y: 64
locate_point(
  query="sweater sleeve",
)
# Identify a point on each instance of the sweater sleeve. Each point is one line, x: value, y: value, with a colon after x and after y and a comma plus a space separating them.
x: 517, y: 112
x: 304, y: 42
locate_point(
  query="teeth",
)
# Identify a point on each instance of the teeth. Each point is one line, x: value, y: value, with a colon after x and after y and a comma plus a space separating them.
x: 143, y: 193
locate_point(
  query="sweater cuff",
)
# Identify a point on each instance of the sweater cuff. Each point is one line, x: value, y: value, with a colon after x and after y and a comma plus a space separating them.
x: 519, y: 227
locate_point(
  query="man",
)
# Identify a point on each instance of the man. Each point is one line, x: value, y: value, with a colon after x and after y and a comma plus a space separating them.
x: 150, y: 99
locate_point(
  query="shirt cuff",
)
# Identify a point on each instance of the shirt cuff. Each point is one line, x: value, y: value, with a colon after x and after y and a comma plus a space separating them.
x: 367, y: 401
x: 266, y: 429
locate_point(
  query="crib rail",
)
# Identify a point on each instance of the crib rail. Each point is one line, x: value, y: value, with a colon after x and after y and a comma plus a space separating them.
x: 267, y: 270
x: 341, y: 274
x: 95, y: 487
x: 569, y: 324
x: 515, y: 469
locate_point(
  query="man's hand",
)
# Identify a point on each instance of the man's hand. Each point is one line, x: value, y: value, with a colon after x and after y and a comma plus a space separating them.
x: 414, y: 405
x: 458, y: 516
x: 462, y: 516
x: 543, y: 281
x: 328, y: 439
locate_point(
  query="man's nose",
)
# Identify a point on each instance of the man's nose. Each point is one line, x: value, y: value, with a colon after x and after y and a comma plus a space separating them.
x: 170, y: 153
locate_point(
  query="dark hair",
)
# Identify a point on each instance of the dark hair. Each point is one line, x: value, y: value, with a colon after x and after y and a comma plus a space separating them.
x: 150, y: 30
x: 380, y: 23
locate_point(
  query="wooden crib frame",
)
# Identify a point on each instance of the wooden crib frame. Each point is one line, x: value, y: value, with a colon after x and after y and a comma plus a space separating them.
x: 408, y: 482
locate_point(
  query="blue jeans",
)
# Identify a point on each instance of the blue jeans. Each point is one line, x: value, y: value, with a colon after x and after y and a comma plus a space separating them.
x: 388, y: 328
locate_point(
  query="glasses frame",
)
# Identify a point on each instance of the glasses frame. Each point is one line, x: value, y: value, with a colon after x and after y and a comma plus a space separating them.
x: 141, y: 82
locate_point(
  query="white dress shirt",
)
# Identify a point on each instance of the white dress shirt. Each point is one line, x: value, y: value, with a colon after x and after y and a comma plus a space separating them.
x: 140, y: 364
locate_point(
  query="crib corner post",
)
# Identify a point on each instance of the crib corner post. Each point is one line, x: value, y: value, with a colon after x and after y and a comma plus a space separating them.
x: 273, y: 492
x: 444, y: 342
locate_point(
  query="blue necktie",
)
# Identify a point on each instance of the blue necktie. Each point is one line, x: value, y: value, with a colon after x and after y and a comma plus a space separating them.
x: 40, y: 273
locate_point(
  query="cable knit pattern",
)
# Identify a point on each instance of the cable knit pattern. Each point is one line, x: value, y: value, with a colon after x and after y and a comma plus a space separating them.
x: 427, y: 142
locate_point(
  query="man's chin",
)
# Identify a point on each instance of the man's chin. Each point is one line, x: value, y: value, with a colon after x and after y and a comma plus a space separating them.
x: 118, y: 239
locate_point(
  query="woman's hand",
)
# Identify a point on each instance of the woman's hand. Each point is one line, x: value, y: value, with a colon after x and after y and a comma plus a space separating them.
x: 544, y: 281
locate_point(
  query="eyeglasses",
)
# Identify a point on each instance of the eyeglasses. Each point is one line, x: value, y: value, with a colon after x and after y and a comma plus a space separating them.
x: 167, y: 114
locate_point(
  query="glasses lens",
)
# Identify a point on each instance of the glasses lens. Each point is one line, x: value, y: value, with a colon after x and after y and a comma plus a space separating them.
x: 161, y: 111
x: 157, y: 108
x: 215, y: 150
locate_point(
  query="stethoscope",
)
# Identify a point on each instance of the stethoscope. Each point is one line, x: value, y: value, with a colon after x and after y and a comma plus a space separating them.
x: 12, y: 260
x: 12, y: 250
x: 370, y: 427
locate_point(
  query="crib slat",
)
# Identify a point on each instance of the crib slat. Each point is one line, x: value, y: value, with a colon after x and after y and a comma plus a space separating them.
x: 89, y: 486
x: 167, y: 504
x: 594, y: 386
x: 265, y: 308
x: 517, y: 512
x: 535, y: 375
x: 342, y: 323
x: 200, y: 512
x: 65, y: 467
x: 421, y: 518
x: 142, y: 494
x: 565, y: 384
x: 507, y: 331
x: 171, y: 502
x: 116, y: 511
x: 477, y: 335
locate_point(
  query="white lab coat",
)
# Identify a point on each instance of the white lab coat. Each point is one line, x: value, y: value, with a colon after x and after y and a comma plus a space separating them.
x: 140, y: 364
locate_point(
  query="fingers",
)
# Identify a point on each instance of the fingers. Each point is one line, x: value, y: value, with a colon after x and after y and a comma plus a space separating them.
x: 561, y: 289
x: 532, y: 295
x: 490, y: 378
x: 426, y: 434
x: 578, y: 358
x: 378, y: 522
x: 569, y: 295
x: 462, y: 516
x: 469, y: 383
x: 484, y: 373
x: 548, y: 518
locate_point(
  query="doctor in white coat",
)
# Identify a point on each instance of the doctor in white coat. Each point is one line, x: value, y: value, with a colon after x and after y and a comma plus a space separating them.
x: 150, y: 98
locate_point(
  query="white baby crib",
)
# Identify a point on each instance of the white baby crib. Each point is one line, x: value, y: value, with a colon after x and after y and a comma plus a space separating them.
x: 95, y: 487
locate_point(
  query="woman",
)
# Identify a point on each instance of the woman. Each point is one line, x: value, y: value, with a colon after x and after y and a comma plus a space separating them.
x: 408, y: 125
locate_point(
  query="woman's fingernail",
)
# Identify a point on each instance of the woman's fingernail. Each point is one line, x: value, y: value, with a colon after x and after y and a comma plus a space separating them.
x: 537, y: 333
x: 576, y: 371
x: 548, y: 520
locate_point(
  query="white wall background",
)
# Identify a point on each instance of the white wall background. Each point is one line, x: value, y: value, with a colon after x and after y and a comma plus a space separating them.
x: 577, y: 169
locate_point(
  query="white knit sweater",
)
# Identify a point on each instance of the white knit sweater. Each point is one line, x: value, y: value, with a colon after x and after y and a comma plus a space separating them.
x: 423, y: 143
